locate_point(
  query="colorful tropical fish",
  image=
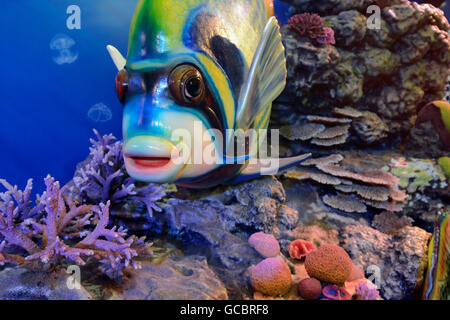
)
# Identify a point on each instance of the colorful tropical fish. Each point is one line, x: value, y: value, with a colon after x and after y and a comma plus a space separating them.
x: 437, y: 282
x: 206, y: 67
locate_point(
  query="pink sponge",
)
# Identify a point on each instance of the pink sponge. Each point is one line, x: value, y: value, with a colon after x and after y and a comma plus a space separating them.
x: 271, y: 277
x: 265, y: 244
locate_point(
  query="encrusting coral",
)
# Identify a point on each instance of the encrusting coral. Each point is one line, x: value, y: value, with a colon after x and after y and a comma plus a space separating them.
x: 58, y: 228
x: 103, y: 178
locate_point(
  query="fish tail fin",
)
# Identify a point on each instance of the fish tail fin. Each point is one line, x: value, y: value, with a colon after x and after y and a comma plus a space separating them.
x: 437, y: 281
x: 260, y: 167
x: 270, y: 8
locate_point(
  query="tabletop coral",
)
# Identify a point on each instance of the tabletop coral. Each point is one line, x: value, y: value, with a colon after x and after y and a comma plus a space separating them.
x: 271, y: 277
x: 310, y: 289
x: 329, y: 263
x: 265, y: 244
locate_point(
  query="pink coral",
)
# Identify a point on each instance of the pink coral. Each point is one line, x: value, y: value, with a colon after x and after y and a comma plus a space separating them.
x: 266, y: 244
x: 326, y: 36
x: 312, y: 25
x: 366, y: 291
x: 300, y: 248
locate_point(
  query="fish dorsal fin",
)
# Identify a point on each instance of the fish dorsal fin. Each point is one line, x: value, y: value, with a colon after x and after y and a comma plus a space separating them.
x: 266, y: 78
x: 117, y: 57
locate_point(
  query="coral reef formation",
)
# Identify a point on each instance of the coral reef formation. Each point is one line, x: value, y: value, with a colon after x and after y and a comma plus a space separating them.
x: 398, y: 261
x: 329, y: 263
x: 355, y: 190
x: 390, y: 66
x: 187, y: 278
x: 312, y: 25
x: 61, y: 232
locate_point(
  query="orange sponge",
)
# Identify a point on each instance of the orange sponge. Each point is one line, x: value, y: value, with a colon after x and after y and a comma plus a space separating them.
x: 271, y: 277
x: 329, y: 263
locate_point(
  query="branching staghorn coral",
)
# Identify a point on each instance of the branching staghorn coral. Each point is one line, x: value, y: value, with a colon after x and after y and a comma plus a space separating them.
x: 62, y: 233
x: 102, y: 177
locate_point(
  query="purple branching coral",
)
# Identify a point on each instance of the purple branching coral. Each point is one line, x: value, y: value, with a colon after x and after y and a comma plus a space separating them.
x: 62, y: 232
x: 102, y: 177
x: 312, y: 25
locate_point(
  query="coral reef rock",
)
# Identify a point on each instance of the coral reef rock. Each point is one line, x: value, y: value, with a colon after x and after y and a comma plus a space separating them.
x: 390, y: 70
x: 400, y: 258
x: 188, y: 278
x: 23, y: 284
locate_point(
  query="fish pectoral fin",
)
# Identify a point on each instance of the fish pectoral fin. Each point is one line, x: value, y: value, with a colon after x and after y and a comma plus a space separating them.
x: 117, y: 57
x: 266, y: 78
x: 272, y: 166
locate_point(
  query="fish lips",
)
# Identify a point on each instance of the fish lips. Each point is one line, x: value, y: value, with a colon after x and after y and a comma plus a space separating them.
x: 152, y: 159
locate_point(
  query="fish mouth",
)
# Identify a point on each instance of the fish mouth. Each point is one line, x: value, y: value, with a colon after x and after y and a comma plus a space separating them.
x: 151, y: 159
x: 150, y: 162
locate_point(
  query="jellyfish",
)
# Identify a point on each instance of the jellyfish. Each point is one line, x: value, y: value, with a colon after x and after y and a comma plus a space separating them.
x: 100, y: 113
x: 63, y: 44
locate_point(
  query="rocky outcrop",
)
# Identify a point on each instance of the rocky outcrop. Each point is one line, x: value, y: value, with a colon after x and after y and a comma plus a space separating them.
x: 392, y: 70
x: 188, y: 278
x: 25, y: 284
x: 401, y: 258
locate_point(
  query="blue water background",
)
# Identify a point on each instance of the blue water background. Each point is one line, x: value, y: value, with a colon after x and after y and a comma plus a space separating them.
x: 46, y: 119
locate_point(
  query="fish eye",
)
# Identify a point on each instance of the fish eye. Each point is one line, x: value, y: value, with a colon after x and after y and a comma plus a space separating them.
x: 122, y: 81
x: 187, y: 85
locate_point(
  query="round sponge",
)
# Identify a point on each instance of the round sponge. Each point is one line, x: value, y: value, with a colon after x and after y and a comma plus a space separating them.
x: 271, y: 277
x: 266, y: 244
x: 310, y: 289
x: 329, y: 263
